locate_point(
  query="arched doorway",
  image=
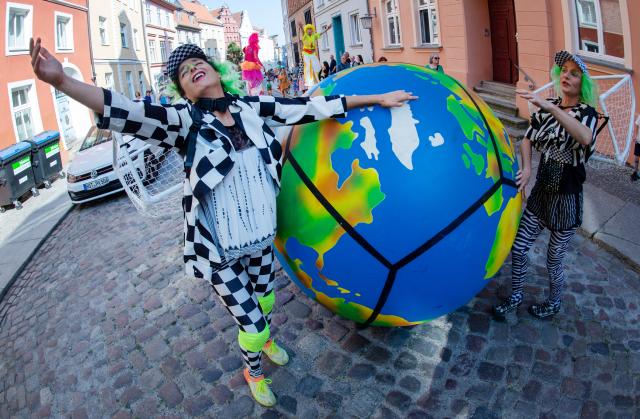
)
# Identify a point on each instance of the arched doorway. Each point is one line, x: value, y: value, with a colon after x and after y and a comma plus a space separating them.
x: 73, y: 117
x: 504, y: 44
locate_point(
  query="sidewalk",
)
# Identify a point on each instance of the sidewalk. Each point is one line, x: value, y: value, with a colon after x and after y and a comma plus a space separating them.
x: 23, y: 231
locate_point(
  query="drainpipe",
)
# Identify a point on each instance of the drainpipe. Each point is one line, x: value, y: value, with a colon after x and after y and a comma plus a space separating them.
x: 146, y: 44
x: 93, y: 68
x: 373, y: 53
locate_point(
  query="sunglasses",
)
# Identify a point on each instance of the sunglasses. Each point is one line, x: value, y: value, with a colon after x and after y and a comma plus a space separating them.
x: 436, y: 58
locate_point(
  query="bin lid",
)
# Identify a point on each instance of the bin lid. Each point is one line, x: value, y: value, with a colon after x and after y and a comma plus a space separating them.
x: 8, y: 153
x: 45, y: 137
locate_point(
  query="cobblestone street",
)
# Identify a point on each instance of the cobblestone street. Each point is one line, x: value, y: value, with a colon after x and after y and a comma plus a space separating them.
x: 104, y: 323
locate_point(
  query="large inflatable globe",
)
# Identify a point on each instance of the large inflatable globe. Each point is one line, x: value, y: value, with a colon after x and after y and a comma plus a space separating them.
x: 393, y: 217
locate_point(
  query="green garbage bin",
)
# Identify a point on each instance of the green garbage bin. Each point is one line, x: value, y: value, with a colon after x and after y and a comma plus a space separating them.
x: 16, y: 174
x: 45, y: 155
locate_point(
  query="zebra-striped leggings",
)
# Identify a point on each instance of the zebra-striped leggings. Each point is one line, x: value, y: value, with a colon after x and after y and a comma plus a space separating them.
x: 530, y: 228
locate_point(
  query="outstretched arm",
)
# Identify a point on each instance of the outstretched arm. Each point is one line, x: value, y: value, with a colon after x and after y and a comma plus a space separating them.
x: 48, y: 69
x: 386, y: 100
x: 578, y: 130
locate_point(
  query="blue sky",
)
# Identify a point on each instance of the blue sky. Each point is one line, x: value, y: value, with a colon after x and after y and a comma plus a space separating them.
x: 263, y: 13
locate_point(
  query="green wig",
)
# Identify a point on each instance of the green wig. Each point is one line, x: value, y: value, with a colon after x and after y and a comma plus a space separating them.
x: 229, y: 78
x: 588, y: 87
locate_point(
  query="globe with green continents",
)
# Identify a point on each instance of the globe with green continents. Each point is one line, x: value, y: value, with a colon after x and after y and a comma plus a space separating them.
x: 393, y: 217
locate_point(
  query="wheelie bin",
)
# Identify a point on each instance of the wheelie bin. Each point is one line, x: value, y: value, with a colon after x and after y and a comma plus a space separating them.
x: 45, y: 155
x: 16, y: 174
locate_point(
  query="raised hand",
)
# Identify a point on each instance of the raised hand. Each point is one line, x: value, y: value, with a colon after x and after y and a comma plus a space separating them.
x: 395, y: 98
x: 45, y: 66
x: 534, y: 99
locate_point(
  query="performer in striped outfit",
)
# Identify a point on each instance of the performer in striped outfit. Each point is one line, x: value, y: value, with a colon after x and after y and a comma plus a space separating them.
x: 564, y: 131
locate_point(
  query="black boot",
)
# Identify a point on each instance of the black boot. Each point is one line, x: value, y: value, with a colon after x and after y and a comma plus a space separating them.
x: 545, y: 310
x: 507, y: 305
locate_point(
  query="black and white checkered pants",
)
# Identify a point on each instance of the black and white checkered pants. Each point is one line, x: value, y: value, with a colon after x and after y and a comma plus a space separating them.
x: 239, y: 287
x: 530, y: 228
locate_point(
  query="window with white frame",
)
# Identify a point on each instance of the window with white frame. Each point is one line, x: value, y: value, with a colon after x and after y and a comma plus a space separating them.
x: 152, y: 50
x: 163, y: 51
x: 129, y: 76
x: 19, y: 26
x: 599, y: 28
x: 21, y: 111
x: 123, y: 35
x: 320, y: 3
x: 393, y: 22
x: 64, y: 32
x: 428, y: 21
x: 158, y: 16
x: 108, y: 80
x: 141, y: 81
x: 324, y: 39
x: 354, y: 26
x: 167, y: 21
x: 102, y: 28
x: 135, y: 39
x: 148, y: 12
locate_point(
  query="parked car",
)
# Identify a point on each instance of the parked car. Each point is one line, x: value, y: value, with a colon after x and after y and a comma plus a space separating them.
x: 91, y: 176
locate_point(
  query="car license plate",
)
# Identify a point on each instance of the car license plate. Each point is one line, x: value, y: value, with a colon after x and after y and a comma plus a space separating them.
x: 95, y: 183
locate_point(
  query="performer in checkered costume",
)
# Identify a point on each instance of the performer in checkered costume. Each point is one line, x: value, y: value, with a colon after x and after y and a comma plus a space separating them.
x: 232, y: 167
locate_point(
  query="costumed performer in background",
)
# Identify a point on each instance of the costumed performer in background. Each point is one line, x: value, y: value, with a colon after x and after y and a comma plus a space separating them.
x: 252, y: 67
x: 311, y: 63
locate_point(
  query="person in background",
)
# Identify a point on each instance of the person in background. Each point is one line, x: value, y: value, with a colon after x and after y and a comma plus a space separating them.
x: 147, y: 97
x: 434, y: 63
x: 138, y: 95
x: 564, y: 131
x: 324, y: 72
x: 382, y: 59
x: 344, y: 64
x: 283, y: 82
x: 357, y: 60
x: 332, y: 64
x: 636, y: 152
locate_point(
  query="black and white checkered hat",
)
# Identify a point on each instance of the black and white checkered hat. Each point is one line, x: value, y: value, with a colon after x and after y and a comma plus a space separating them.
x: 179, y: 55
x: 563, y: 56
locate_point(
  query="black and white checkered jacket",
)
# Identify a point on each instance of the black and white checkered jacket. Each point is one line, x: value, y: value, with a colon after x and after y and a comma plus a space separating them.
x: 168, y: 126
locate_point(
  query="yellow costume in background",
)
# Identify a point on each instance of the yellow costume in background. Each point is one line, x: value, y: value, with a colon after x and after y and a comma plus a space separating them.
x: 311, y: 62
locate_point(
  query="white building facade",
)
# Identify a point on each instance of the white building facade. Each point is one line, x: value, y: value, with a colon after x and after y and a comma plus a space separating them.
x: 161, y: 38
x: 346, y: 33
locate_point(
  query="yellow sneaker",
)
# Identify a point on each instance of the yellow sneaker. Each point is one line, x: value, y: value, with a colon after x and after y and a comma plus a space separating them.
x: 276, y: 354
x: 260, y: 389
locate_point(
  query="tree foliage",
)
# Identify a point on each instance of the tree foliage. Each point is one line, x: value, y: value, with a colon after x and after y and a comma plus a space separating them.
x: 234, y: 53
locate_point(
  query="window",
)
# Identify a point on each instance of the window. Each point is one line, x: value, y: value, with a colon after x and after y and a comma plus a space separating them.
x: 167, y: 22
x: 148, y: 12
x: 158, y: 16
x: 64, y: 32
x: 102, y: 27
x: 428, y: 21
x: 163, y: 51
x: 19, y: 28
x: 320, y: 3
x: 354, y: 25
x: 293, y: 28
x: 141, y: 81
x: 178, y: 15
x: 324, y: 39
x: 599, y: 28
x: 123, y: 35
x: 152, y: 50
x: 108, y: 80
x: 393, y: 22
x: 21, y: 109
x: 307, y: 16
x: 132, y: 93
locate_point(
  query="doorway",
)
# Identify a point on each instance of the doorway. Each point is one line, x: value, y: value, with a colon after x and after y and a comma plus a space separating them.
x: 338, y: 37
x: 503, y: 41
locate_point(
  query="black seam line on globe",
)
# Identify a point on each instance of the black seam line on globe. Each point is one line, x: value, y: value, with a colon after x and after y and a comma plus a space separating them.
x: 382, y: 299
x: 386, y: 290
x: 286, y: 148
x: 335, y: 214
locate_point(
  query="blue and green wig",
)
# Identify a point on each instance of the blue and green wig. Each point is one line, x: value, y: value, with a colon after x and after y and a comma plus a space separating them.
x: 229, y: 75
x: 588, y: 87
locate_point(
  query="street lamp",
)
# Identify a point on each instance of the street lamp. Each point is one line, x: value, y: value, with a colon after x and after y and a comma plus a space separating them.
x: 367, y: 20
